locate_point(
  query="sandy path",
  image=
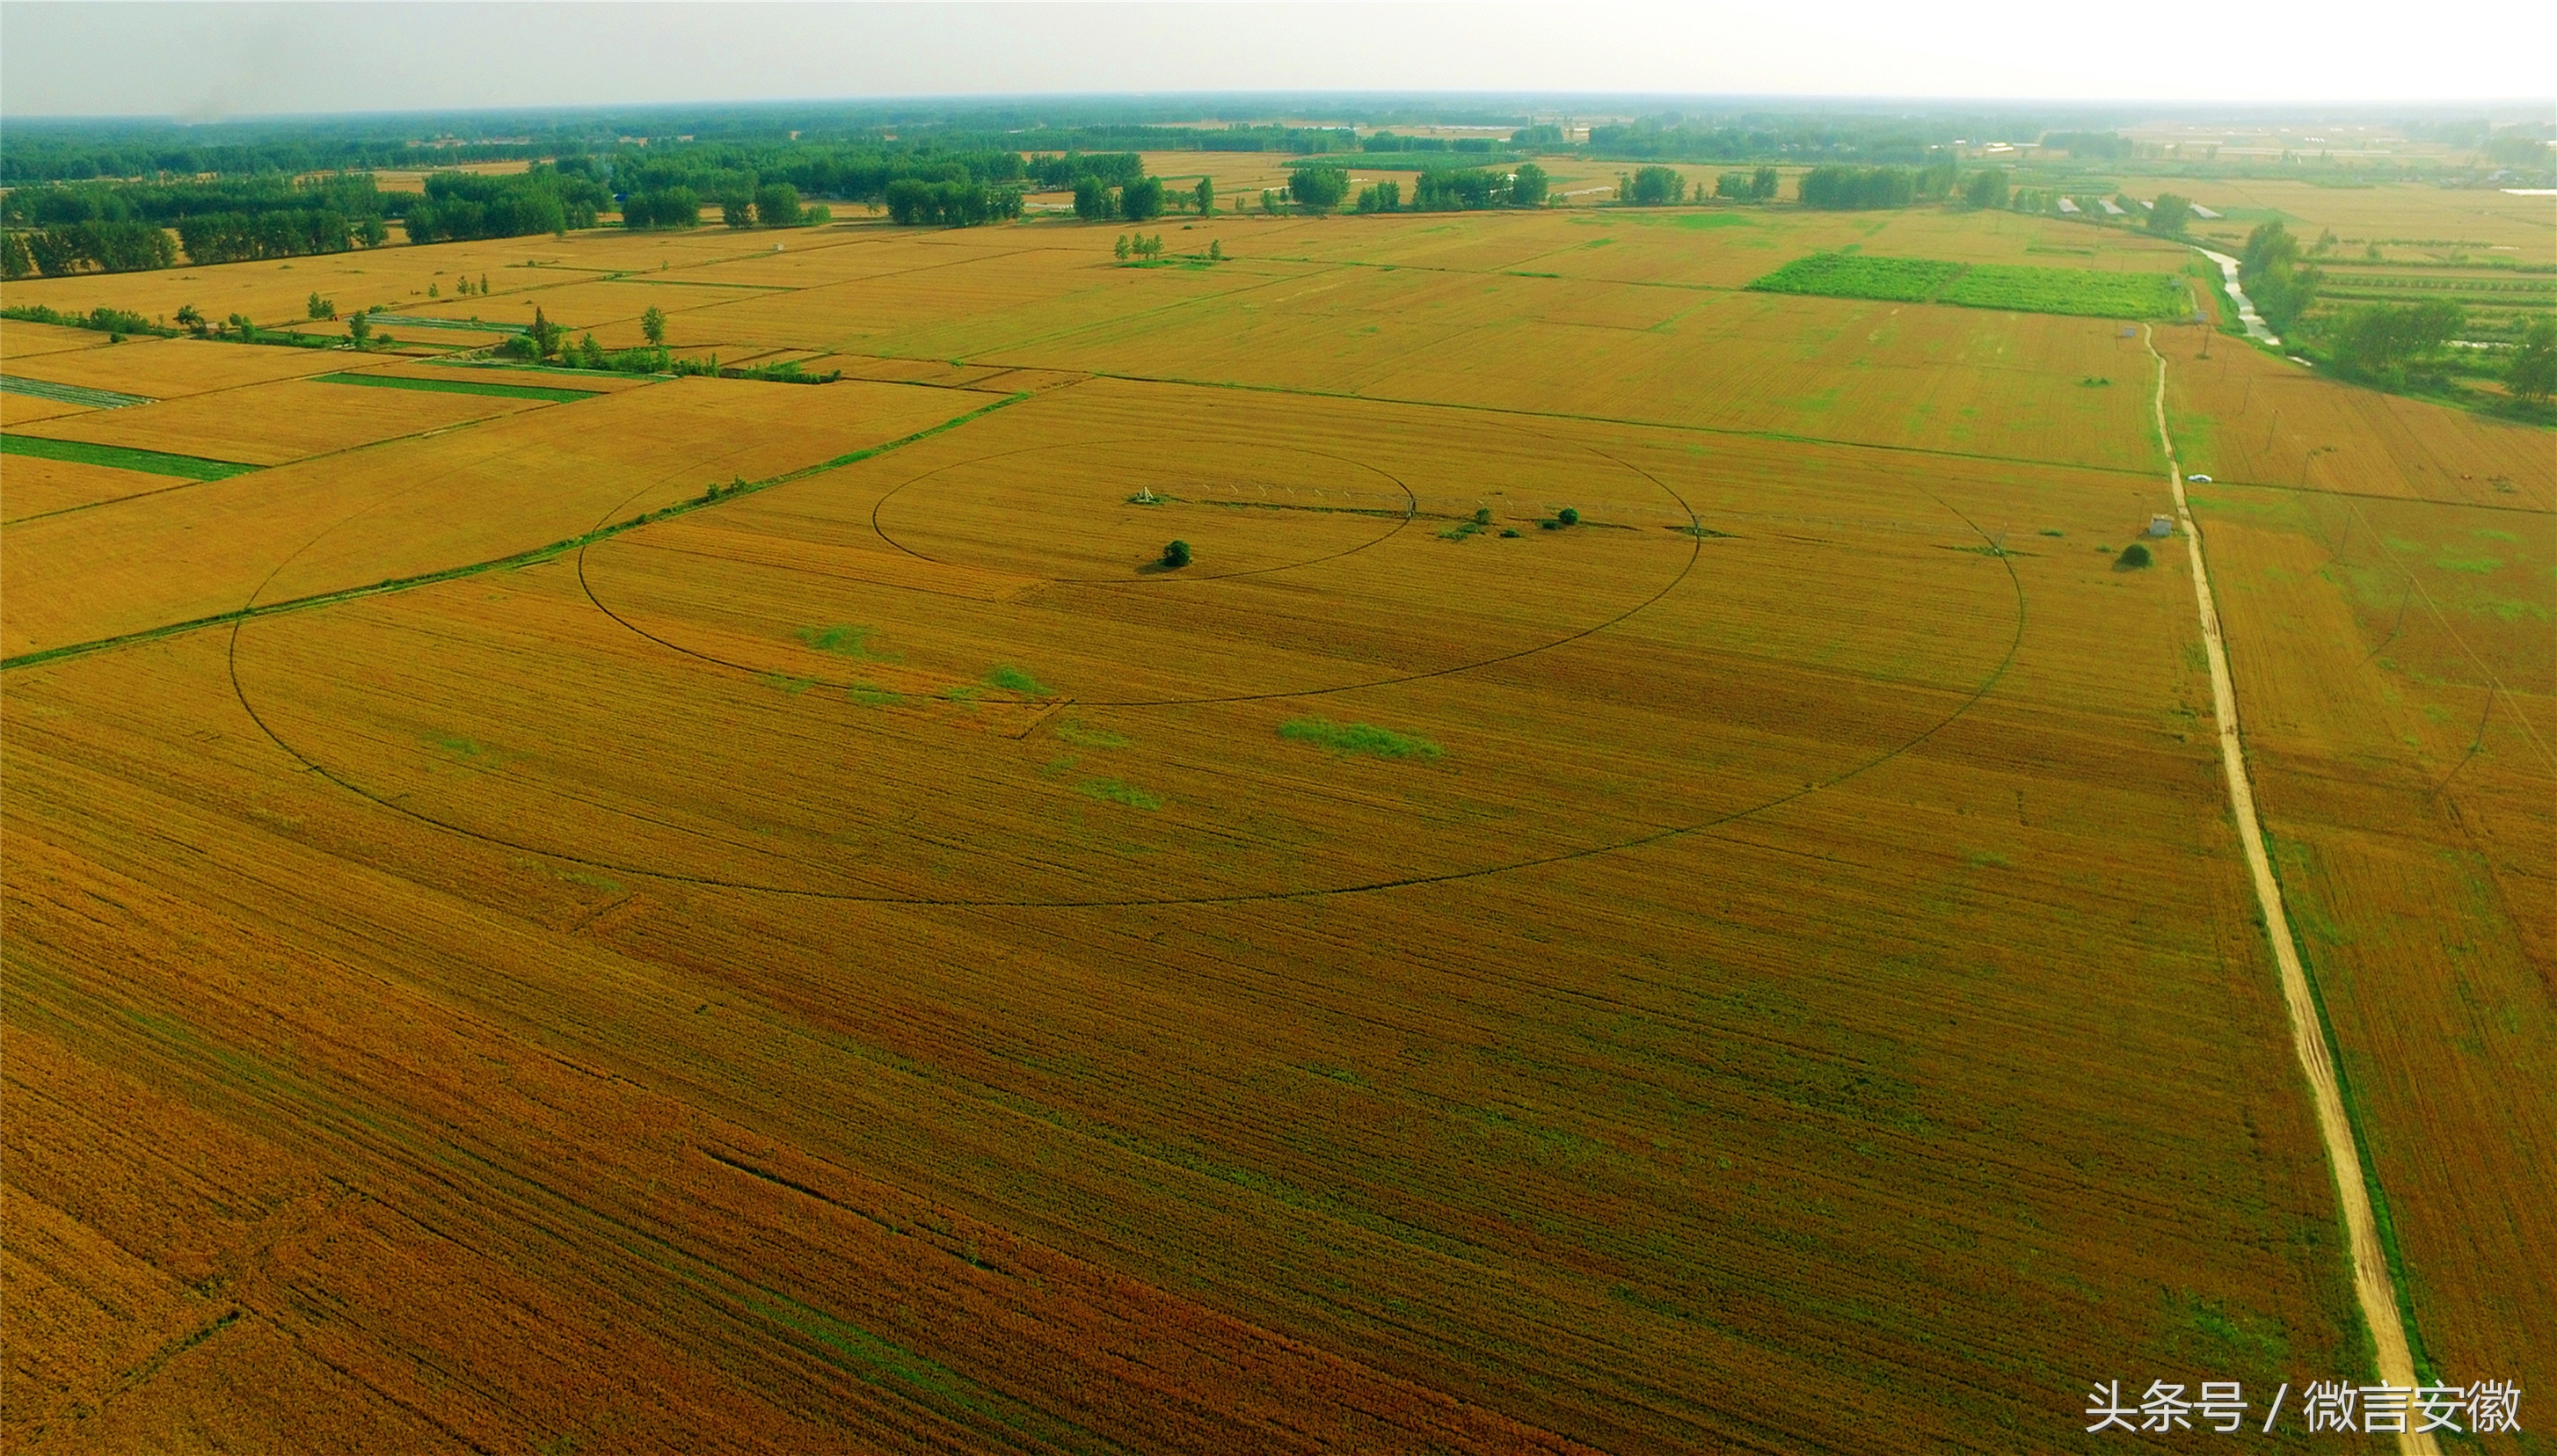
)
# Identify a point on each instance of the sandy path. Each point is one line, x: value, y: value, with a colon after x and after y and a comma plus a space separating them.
x: 2370, y: 1267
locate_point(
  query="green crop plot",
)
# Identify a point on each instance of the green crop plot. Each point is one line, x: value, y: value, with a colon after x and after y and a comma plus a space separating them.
x: 462, y: 386
x: 2080, y: 291
x: 117, y: 456
x: 1855, y: 276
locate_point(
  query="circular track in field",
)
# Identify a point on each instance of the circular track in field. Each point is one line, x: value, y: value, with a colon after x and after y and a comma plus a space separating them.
x: 1631, y: 835
x: 993, y: 512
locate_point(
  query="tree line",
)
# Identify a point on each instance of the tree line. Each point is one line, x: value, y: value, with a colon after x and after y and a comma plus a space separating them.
x: 461, y: 205
x: 912, y: 202
x: 1320, y: 189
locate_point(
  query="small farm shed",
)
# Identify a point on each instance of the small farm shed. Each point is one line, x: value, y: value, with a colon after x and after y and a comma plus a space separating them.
x: 2161, y: 525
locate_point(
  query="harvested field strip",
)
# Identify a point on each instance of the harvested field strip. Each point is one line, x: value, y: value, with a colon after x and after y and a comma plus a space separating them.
x: 2074, y: 290
x: 96, y: 399
x: 150, y: 461
x: 461, y: 386
x: 466, y: 325
x: 521, y: 558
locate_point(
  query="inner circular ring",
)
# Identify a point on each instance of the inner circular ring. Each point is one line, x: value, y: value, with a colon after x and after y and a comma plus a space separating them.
x: 880, y: 514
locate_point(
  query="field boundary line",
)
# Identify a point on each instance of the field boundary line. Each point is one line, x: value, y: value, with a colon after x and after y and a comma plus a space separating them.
x: 1779, y: 436
x: 2373, y: 1286
x: 531, y: 556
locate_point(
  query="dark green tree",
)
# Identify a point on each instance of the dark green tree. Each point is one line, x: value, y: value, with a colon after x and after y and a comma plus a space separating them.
x: 1320, y: 187
x: 360, y: 327
x: 2169, y: 215
x: 2135, y: 555
x: 1654, y: 186
x: 2532, y: 375
x: 15, y: 261
x: 545, y: 335
x: 1985, y: 188
x: 1203, y: 197
x: 738, y: 210
x: 320, y: 307
x: 1383, y: 196
x: 1141, y: 200
x: 2380, y: 340
x: 652, y: 326
x: 1529, y: 185
x: 1092, y: 200
x: 777, y: 205
x: 1762, y: 185
x: 1176, y: 555
x: 2271, y: 273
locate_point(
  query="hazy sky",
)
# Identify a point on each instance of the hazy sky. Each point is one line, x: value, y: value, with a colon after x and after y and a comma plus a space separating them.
x: 205, y: 59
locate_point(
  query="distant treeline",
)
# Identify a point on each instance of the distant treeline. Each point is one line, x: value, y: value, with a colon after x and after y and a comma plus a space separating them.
x: 83, y: 247
x: 956, y: 204
x: 118, y: 228
x: 461, y: 205
x: 667, y: 188
x: 1844, y: 189
x: 1386, y: 141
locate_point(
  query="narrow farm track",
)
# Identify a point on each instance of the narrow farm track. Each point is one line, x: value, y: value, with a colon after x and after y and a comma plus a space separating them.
x: 2370, y: 1281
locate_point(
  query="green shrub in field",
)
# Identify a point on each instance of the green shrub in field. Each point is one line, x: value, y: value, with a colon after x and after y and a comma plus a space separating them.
x: 2134, y: 556
x: 845, y: 639
x: 1112, y: 791
x: 1357, y: 738
x: 1176, y: 555
x: 1012, y: 680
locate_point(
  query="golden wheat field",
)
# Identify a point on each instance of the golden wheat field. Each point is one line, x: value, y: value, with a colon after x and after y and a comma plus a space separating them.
x: 1651, y: 887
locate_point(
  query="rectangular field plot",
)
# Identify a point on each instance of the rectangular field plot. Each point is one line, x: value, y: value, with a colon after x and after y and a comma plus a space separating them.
x: 35, y: 485
x: 20, y: 339
x: 167, y: 368
x: 22, y: 409
x: 2397, y: 660
x: 272, y: 424
x: 530, y: 476
x: 121, y: 457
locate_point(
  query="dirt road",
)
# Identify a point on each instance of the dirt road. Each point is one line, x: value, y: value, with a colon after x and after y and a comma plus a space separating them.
x: 2370, y: 1283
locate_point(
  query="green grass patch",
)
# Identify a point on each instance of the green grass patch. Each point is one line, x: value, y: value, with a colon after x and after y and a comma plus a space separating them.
x: 1084, y: 736
x: 1012, y: 680
x: 461, y: 386
x: 846, y: 639
x: 1112, y: 791
x: 2478, y: 566
x: 121, y: 458
x: 871, y: 695
x: 782, y: 682
x: 2078, y: 290
x: 1357, y: 738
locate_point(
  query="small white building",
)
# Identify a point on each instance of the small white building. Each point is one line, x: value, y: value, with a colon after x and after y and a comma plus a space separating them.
x: 2204, y: 213
x: 2161, y: 525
